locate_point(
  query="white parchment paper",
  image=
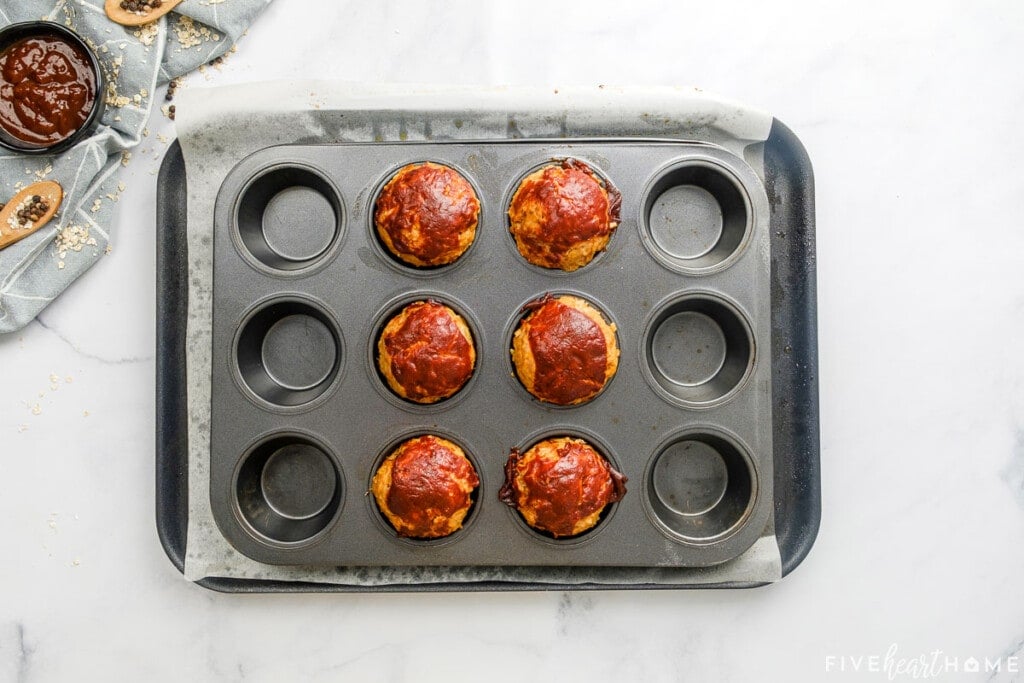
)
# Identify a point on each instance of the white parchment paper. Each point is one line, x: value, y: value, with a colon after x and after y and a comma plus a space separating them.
x: 219, y: 127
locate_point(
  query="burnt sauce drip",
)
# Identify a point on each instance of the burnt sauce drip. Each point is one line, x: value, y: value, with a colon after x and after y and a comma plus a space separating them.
x: 507, y: 492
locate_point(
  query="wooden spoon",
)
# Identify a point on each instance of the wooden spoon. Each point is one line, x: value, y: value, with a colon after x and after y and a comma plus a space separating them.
x: 49, y: 191
x: 126, y: 18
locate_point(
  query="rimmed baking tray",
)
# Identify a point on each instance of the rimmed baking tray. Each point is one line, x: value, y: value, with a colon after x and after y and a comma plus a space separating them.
x: 794, y: 430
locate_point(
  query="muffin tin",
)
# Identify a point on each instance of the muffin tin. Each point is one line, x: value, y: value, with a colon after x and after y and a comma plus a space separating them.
x: 300, y: 415
x: 789, y: 181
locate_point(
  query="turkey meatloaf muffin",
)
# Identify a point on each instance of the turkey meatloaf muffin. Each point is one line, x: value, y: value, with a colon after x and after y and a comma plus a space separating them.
x: 562, y: 215
x: 427, y: 215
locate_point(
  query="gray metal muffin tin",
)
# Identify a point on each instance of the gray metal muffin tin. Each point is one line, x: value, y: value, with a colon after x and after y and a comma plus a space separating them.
x: 301, y: 417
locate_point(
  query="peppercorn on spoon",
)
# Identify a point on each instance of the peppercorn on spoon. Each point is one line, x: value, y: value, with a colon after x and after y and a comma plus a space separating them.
x: 29, y: 210
x: 152, y: 10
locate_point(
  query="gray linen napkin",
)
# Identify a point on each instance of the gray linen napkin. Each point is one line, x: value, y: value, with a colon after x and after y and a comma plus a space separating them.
x: 135, y: 61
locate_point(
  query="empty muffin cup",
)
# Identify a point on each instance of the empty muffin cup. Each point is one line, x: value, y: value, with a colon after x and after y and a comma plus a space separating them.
x: 701, y: 487
x: 288, y: 218
x: 289, y: 352
x: 696, y: 218
x: 288, y: 489
x: 698, y: 350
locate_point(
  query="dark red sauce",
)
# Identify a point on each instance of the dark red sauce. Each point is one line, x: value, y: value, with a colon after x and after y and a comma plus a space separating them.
x: 47, y: 89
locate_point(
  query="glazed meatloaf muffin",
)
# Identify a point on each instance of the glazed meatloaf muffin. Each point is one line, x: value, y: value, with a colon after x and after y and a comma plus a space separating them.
x: 426, y: 352
x: 425, y: 487
x: 564, y: 351
x: 427, y: 215
x: 562, y: 215
x: 561, y: 486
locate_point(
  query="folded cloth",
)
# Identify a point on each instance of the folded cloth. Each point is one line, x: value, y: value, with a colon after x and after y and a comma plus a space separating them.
x: 135, y: 61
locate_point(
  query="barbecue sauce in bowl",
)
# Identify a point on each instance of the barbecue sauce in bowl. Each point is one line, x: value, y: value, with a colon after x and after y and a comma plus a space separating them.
x: 48, y: 90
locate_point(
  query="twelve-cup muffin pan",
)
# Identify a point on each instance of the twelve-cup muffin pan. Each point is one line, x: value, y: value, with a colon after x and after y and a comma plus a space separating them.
x: 301, y: 417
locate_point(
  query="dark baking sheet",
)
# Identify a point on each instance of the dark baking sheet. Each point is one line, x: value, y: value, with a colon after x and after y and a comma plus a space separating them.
x: 789, y: 184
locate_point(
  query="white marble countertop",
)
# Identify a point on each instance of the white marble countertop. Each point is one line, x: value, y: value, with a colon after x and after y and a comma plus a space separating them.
x: 910, y: 113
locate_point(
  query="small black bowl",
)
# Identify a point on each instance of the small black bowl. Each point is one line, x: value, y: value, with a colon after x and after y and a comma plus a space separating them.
x: 30, y: 29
